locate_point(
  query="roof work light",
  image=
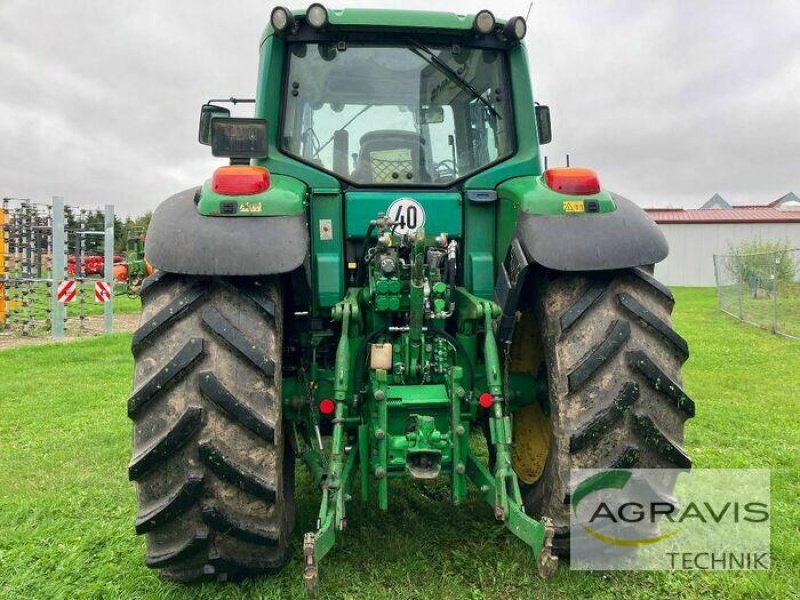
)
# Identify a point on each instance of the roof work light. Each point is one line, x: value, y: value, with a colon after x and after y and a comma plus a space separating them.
x: 282, y: 19
x: 317, y: 16
x: 515, y: 28
x: 484, y: 22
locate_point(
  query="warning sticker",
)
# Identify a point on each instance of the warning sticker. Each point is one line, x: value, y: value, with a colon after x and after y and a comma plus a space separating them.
x: 573, y: 206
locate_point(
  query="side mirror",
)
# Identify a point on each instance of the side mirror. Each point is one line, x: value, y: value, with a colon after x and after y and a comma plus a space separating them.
x: 543, y: 124
x: 239, y: 138
x: 431, y: 114
x: 207, y: 113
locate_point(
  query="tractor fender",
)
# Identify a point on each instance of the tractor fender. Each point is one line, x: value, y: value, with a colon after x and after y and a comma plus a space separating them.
x: 621, y: 239
x: 624, y: 238
x: 180, y: 240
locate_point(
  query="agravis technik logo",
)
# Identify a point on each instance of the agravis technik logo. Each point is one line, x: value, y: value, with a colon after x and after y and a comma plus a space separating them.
x: 669, y: 519
x: 628, y: 512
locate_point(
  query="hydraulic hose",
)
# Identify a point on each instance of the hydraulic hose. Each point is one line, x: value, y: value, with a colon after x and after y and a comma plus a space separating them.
x: 363, y: 254
x: 459, y: 347
x: 358, y: 376
x: 452, y: 255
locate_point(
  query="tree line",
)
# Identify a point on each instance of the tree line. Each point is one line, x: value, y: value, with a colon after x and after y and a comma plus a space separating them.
x: 94, y: 220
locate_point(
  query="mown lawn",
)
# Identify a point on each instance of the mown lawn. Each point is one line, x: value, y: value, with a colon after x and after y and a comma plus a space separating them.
x: 66, y: 507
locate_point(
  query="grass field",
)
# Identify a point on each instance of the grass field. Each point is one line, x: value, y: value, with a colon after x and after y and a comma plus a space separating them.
x: 66, y: 507
x: 779, y: 310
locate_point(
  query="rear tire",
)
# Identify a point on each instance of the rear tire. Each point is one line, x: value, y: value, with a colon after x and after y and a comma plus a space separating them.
x: 214, y: 478
x: 614, y: 377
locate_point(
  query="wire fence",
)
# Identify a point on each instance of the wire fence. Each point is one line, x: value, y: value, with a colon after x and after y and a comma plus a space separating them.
x: 761, y: 289
x: 42, y: 246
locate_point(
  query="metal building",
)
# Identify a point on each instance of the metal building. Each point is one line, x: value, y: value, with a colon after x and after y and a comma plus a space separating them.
x: 696, y: 235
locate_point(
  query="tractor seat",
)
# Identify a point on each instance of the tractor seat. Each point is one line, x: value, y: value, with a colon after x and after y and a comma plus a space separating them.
x: 391, y: 156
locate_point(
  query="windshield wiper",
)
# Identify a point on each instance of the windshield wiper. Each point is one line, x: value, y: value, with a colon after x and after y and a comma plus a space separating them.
x: 437, y: 62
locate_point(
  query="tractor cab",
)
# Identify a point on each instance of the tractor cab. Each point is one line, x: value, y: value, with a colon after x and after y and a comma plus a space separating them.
x: 397, y: 113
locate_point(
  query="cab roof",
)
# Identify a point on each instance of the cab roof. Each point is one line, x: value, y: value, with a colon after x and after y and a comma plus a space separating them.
x: 384, y: 17
x: 399, y: 18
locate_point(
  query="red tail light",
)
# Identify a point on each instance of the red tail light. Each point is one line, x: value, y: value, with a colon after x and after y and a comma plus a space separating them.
x: 240, y: 180
x: 327, y: 406
x: 573, y: 181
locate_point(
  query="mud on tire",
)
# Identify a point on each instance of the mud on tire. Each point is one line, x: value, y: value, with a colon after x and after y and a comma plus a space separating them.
x: 214, y: 478
x: 614, y: 375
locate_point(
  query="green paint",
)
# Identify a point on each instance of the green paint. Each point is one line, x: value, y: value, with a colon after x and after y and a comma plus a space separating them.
x: 286, y: 196
x: 521, y: 525
x: 531, y: 195
x: 479, y: 242
x: 327, y: 247
x: 442, y: 210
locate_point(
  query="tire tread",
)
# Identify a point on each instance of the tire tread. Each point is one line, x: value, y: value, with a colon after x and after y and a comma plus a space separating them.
x: 210, y: 463
x: 613, y: 365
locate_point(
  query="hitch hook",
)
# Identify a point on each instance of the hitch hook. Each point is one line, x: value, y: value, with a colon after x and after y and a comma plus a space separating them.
x: 548, y: 562
x: 310, y: 570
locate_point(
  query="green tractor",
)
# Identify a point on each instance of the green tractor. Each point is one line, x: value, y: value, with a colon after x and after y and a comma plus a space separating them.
x: 381, y: 279
x: 136, y: 269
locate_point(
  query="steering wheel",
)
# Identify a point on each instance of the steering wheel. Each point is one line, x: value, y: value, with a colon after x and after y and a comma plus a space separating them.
x: 445, y: 169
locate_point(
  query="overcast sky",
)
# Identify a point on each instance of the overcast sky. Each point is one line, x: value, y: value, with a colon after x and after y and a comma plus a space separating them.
x: 670, y: 101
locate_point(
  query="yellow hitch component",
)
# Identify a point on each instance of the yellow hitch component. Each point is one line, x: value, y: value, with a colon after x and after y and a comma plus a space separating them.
x: 527, y: 351
x: 532, y: 435
x: 532, y: 432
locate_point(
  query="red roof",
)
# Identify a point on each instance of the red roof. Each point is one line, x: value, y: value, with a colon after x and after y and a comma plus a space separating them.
x: 762, y: 214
